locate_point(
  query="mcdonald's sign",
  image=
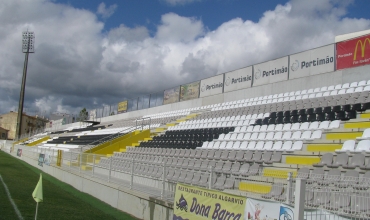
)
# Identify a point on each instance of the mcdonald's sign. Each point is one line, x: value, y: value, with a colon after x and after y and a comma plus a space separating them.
x: 354, y: 52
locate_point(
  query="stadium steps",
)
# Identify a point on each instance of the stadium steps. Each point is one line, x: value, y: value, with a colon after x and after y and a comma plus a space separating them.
x: 119, y: 144
x: 20, y: 141
x: 255, y: 187
x: 331, y: 147
x: 301, y: 160
x: 38, y: 141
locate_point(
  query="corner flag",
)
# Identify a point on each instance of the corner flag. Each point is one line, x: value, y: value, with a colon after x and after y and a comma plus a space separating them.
x: 37, y: 193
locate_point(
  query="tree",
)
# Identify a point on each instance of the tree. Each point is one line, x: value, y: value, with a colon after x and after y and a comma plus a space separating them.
x: 83, y: 115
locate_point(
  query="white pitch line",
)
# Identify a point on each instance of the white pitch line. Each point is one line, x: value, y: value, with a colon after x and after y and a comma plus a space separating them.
x: 11, y: 200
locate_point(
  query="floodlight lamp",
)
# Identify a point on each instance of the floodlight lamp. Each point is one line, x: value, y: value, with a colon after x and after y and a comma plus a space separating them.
x: 28, y: 42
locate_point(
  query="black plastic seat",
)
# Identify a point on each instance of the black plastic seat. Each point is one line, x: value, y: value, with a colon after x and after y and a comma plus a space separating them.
x: 340, y: 116
x: 318, y: 110
x: 294, y: 118
x: 271, y: 121
x: 302, y: 118
x: 302, y: 111
x: 286, y: 120
x: 279, y: 120
x: 309, y: 111
x: 311, y: 117
x: 272, y: 115
x: 293, y: 112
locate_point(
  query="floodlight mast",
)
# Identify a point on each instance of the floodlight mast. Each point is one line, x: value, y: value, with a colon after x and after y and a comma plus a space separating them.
x: 27, y: 47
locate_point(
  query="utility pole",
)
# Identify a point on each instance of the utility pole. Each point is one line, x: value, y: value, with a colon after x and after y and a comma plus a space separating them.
x: 27, y: 47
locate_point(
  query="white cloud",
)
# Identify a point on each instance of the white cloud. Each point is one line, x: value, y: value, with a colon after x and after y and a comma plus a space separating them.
x: 75, y: 65
x: 106, y: 12
x: 180, y: 2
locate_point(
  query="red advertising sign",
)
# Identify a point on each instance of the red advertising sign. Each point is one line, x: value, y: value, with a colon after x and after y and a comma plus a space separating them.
x: 354, y: 52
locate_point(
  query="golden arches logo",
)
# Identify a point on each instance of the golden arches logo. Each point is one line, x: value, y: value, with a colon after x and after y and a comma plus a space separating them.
x: 363, y: 46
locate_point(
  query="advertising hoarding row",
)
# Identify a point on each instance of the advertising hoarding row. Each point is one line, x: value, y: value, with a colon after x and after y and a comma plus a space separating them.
x: 271, y: 71
x: 353, y: 53
x: 350, y: 53
x: 122, y: 107
x: 211, y: 86
x: 312, y: 62
x: 171, y: 95
x: 189, y: 91
x: 238, y: 79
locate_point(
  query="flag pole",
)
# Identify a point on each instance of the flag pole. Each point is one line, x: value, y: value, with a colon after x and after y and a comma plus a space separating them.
x: 37, y: 207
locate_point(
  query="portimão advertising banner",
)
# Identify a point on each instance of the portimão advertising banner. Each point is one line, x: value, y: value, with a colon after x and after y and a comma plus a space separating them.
x: 354, y: 52
x: 189, y: 91
x: 271, y: 71
x: 171, y: 95
x: 194, y: 203
x: 211, y: 86
x: 312, y: 62
x: 122, y: 107
x: 238, y: 79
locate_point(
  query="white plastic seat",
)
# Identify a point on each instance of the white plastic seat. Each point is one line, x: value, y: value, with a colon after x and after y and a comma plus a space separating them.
x: 348, y: 146
x: 353, y: 84
x: 363, y: 146
x: 254, y: 136
x: 216, y: 145
x: 261, y: 136
x: 227, y: 136
x: 314, y: 125
x: 334, y: 124
x: 233, y: 136
x: 330, y: 88
x: 306, y: 135
x: 324, y: 125
x: 278, y: 135
x: 247, y: 136
x: 259, y: 145
x: 337, y: 87
x: 287, y: 146
x: 297, y: 135
x: 210, y: 145
x: 243, y: 145
x: 359, y: 89
x: 345, y: 86
x: 236, y: 145
x: 268, y: 145
x: 361, y: 83
x: 205, y: 144
x: 221, y: 137
x: 240, y: 136
x: 263, y: 128
x: 229, y: 145
x: 278, y: 127
x: 287, y: 135
x: 297, y: 146
x: 365, y: 135
x: 277, y: 146
x: 251, y: 145
x: 316, y: 134
x: 287, y: 127
x: 295, y: 126
x: 304, y: 126
x: 270, y: 135
x: 271, y: 127
x: 223, y: 145
x: 256, y: 128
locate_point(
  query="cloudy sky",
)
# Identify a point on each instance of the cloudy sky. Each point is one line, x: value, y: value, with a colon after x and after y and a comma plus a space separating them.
x: 90, y: 53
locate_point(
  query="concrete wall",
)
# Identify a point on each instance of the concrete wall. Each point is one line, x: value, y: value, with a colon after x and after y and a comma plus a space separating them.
x: 140, y: 205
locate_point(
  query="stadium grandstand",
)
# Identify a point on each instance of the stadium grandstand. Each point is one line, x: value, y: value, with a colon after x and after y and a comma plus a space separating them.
x: 292, y: 134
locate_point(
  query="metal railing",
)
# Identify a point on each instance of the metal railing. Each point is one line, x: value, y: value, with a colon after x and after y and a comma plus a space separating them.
x: 142, y: 120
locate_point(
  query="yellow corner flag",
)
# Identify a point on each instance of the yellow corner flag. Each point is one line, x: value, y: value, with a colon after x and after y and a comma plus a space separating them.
x: 37, y: 193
